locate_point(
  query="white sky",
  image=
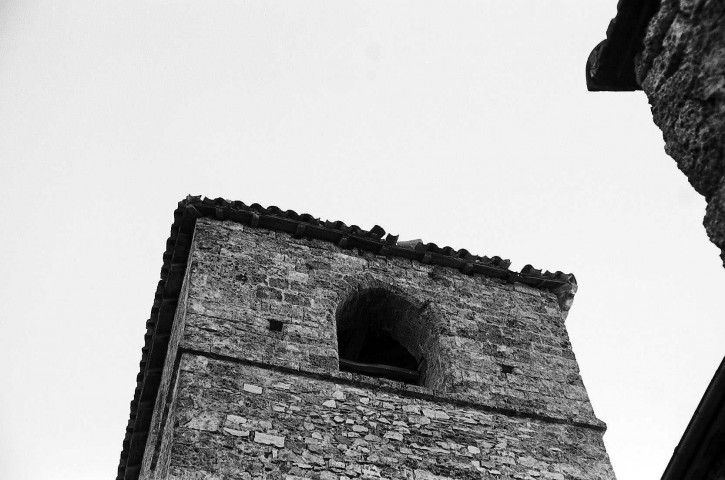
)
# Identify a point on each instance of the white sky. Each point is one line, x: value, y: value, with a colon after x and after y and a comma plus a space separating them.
x: 463, y: 123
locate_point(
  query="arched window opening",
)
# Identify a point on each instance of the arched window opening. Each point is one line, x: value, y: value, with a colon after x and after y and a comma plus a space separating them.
x: 374, y: 337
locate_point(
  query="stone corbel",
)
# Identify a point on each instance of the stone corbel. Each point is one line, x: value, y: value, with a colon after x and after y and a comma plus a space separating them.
x: 565, y: 295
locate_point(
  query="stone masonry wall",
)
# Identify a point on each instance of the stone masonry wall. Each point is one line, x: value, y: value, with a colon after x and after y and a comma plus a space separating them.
x: 243, y: 277
x: 238, y: 421
x: 159, y: 441
x: 251, y: 402
x: 682, y: 71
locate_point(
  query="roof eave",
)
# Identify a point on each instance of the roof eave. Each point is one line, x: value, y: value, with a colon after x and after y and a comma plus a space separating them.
x: 707, y: 423
x: 611, y: 65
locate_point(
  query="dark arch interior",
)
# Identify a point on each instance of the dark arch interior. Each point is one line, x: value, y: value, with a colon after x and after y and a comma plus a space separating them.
x: 368, y: 325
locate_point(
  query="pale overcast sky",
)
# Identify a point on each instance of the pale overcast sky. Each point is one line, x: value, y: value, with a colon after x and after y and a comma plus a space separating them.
x: 463, y: 123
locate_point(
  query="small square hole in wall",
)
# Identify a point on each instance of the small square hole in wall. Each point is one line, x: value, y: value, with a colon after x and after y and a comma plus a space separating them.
x: 507, y: 369
x: 275, y: 326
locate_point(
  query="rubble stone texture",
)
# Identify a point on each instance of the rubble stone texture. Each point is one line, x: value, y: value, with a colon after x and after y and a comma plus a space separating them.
x: 241, y: 398
x: 682, y: 70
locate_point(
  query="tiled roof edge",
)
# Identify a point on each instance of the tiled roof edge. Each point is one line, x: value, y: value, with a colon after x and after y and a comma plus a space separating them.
x: 707, y: 420
x: 610, y: 66
x: 305, y: 225
x: 158, y: 327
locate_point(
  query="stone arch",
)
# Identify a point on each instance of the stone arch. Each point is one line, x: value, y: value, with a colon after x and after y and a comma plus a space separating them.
x: 382, y: 332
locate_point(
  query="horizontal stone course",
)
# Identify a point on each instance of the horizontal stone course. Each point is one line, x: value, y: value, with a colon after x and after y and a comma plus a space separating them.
x: 368, y: 434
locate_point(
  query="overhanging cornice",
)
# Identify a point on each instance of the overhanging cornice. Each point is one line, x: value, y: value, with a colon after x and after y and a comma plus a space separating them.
x: 611, y: 65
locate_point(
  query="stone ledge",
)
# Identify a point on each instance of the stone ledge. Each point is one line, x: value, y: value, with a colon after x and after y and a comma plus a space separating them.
x: 405, y: 390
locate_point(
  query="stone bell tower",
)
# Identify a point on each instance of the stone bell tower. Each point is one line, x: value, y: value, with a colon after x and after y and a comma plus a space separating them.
x: 284, y: 347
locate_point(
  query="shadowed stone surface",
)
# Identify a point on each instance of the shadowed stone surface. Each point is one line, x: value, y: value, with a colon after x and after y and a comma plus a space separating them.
x: 682, y: 71
x: 680, y: 64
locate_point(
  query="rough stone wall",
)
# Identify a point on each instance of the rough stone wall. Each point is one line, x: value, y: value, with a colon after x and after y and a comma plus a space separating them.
x: 682, y: 70
x: 243, y: 277
x: 251, y: 402
x: 278, y: 425
x: 159, y: 441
